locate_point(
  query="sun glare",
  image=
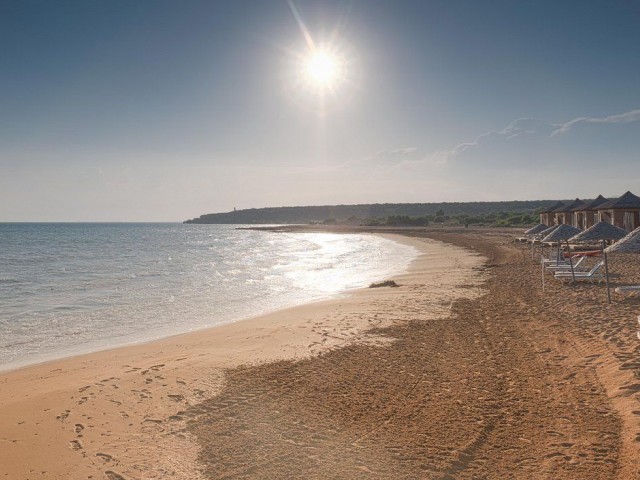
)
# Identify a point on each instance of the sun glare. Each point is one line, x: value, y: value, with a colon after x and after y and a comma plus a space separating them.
x: 324, y: 70
x: 321, y: 69
x: 324, y: 76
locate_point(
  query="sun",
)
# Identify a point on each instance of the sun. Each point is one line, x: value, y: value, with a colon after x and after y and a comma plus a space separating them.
x: 322, y: 69
x: 323, y: 76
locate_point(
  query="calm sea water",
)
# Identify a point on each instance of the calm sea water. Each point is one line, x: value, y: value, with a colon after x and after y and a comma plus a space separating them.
x: 67, y: 289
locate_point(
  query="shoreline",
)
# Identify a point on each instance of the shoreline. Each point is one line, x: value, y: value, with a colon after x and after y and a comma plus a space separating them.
x: 74, y: 407
x: 112, y: 344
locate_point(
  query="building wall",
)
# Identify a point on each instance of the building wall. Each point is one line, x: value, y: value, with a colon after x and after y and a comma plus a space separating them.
x: 546, y: 218
x: 584, y: 219
x: 616, y: 217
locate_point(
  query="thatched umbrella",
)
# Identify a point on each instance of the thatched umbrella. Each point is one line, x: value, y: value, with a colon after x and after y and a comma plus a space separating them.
x: 537, y: 229
x: 601, y: 232
x: 563, y: 233
x: 543, y: 234
x: 546, y: 232
x: 628, y: 244
x: 532, y: 232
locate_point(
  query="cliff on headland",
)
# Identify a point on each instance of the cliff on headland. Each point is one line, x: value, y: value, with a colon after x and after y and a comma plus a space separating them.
x: 356, y: 214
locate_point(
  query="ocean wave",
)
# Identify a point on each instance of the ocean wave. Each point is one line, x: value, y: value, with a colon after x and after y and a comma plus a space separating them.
x: 99, y: 297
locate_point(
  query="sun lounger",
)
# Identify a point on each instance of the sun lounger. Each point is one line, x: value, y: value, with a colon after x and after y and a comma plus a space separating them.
x: 629, y: 291
x: 577, y: 266
x: 554, y: 260
x: 591, y: 276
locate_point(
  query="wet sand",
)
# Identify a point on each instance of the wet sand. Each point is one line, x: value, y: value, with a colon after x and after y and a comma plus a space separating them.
x: 467, y: 370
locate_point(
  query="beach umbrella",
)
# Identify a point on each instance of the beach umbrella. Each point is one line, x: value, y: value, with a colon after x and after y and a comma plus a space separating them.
x: 601, y: 232
x: 563, y: 233
x: 543, y: 234
x: 532, y: 232
x: 537, y: 229
x: 628, y: 244
x: 546, y: 232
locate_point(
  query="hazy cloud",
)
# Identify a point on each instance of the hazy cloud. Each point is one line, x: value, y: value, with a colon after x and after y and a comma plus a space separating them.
x: 525, y: 126
x: 521, y: 127
x: 392, y: 157
x: 628, y: 117
x: 534, y: 128
x: 517, y: 128
x: 406, y: 157
x: 383, y: 159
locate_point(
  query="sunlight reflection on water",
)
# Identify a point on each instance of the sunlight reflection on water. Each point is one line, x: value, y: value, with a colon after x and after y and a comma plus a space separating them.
x: 74, y: 288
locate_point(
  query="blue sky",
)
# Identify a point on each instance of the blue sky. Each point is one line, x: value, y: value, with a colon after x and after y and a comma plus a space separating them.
x: 165, y: 110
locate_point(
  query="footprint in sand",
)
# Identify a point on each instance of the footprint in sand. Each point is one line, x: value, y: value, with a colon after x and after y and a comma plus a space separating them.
x: 63, y: 416
x: 75, y: 445
x: 104, y: 456
x: 78, y: 427
x: 111, y: 475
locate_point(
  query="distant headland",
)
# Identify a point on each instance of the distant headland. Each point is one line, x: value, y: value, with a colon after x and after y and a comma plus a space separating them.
x: 477, y: 213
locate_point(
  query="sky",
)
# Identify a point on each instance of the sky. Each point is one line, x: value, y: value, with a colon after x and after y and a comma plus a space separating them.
x: 159, y: 110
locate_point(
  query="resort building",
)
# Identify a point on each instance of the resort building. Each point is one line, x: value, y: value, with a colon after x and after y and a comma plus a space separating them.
x: 546, y: 215
x: 586, y: 215
x: 564, y: 214
x: 622, y: 212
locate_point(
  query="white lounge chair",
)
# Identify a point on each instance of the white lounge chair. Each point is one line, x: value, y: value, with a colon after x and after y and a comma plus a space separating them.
x: 554, y: 260
x: 629, y: 291
x: 591, y: 275
x: 566, y: 266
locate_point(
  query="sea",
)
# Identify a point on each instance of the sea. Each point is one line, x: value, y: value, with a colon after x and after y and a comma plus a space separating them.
x: 74, y: 288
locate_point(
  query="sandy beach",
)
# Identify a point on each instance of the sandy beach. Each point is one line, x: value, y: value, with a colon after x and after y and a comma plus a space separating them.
x: 466, y: 370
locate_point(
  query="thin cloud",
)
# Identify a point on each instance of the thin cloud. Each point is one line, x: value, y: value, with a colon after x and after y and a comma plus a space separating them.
x: 521, y: 127
x: 533, y: 127
x: 406, y: 157
x: 391, y: 156
x: 385, y: 158
x: 517, y: 128
x: 628, y: 117
x: 384, y: 162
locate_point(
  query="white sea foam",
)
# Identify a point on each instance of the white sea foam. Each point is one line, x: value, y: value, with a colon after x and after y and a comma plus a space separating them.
x: 67, y: 289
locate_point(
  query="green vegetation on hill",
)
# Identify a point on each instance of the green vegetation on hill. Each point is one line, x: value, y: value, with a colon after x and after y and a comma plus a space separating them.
x: 501, y: 219
x: 392, y: 214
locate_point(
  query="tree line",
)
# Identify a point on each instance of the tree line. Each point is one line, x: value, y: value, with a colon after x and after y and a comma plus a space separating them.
x: 471, y: 213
